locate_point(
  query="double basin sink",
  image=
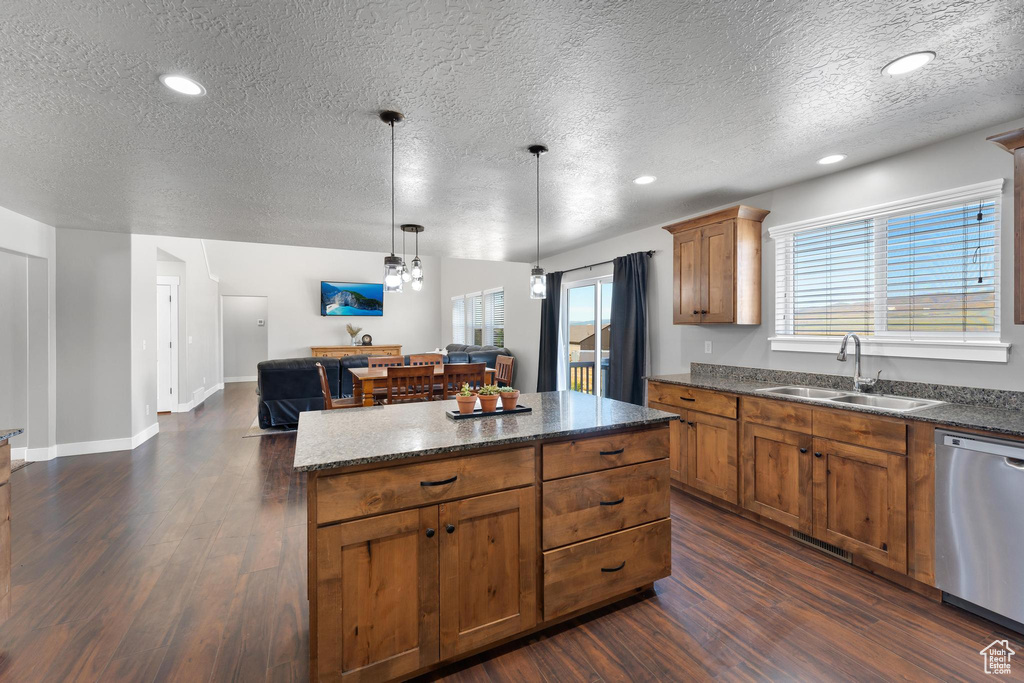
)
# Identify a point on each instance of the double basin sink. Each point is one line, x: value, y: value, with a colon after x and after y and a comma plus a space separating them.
x: 898, y: 404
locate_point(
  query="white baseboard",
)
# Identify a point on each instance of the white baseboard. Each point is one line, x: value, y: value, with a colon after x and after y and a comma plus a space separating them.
x: 62, y: 450
x: 228, y: 380
x: 145, y: 435
x: 198, y: 396
x: 18, y: 453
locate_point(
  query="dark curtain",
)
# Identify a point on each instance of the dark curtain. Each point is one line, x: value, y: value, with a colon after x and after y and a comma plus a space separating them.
x: 547, y: 370
x: 627, y: 363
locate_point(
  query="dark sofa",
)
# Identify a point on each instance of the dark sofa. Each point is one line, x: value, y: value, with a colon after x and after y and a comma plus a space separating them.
x: 290, y: 386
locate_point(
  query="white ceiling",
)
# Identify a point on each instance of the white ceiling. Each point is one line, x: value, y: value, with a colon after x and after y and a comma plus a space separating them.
x: 718, y: 99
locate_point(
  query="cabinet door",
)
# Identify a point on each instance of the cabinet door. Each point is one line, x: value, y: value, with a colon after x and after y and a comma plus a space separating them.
x: 775, y: 475
x: 711, y: 456
x: 488, y: 569
x: 678, y: 443
x: 377, y: 596
x: 687, y: 295
x: 860, y: 501
x: 718, y: 276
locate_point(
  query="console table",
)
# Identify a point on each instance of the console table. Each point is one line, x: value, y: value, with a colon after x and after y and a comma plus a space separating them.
x: 342, y: 351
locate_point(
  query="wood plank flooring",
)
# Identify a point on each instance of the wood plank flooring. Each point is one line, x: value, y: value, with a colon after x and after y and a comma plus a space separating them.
x: 185, y: 560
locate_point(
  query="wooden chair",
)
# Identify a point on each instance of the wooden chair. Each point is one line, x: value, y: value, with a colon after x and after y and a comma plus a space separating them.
x: 331, y: 403
x: 384, y: 361
x: 503, y: 370
x: 426, y: 359
x: 410, y: 383
x: 457, y: 374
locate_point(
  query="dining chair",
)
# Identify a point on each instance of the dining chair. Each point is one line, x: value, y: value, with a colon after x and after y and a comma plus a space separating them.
x: 384, y: 361
x: 410, y: 383
x: 457, y: 374
x: 503, y: 370
x: 331, y: 403
x: 426, y: 359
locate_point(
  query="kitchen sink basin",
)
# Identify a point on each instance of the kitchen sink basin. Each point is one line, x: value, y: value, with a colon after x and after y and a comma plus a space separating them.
x: 896, y: 403
x: 804, y: 392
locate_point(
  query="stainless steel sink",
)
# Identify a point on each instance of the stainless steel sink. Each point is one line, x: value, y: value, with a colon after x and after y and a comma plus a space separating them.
x: 804, y: 392
x: 895, y: 403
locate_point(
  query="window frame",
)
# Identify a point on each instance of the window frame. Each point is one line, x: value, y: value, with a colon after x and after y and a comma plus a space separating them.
x: 931, y: 345
x: 468, y: 324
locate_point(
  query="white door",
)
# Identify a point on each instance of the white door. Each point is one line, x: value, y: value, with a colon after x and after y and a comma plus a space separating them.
x: 166, y: 341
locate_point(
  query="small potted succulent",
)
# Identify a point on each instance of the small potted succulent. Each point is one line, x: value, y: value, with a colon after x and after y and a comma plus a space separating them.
x: 509, y: 397
x: 488, y: 396
x: 466, y: 400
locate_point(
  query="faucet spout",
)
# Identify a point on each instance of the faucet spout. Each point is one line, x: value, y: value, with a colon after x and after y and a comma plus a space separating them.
x: 859, y: 383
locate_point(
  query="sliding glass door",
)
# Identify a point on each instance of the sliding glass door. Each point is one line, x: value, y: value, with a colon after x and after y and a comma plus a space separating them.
x: 588, y: 331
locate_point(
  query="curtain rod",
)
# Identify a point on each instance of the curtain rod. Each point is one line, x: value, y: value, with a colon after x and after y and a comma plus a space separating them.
x: 650, y: 252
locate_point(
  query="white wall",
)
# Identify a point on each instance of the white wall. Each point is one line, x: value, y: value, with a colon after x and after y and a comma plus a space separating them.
x: 14, y: 344
x: 522, y: 314
x: 953, y: 163
x: 245, y: 341
x: 290, y: 279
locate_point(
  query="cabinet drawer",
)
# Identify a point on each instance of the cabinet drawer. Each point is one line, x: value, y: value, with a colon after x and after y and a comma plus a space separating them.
x: 589, y: 505
x: 371, y: 492
x: 700, y: 400
x: 588, y: 572
x: 567, y: 458
x: 779, y: 414
x: 870, y: 431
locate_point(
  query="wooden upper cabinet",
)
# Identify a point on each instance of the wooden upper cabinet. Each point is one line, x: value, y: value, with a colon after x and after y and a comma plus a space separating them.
x: 717, y: 267
x: 1013, y: 142
x: 488, y: 569
x: 377, y: 596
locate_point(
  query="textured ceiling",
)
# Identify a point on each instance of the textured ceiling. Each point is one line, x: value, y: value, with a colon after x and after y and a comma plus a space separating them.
x: 718, y: 99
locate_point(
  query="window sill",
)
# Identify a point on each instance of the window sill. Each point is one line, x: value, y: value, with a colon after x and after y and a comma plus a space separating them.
x: 978, y: 351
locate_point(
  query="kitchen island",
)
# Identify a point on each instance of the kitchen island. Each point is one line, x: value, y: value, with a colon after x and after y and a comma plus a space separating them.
x: 431, y: 539
x: 6, y: 434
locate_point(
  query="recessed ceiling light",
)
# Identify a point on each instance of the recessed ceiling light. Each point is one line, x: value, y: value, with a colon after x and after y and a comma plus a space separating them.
x: 644, y: 180
x: 907, y: 63
x: 831, y: 159
x: 182, y: 84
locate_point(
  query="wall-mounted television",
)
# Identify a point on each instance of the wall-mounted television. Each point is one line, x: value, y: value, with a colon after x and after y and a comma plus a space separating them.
x: 351, y: 298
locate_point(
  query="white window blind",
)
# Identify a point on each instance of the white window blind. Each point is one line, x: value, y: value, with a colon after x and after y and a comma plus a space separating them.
x: 475, y: 323
x: 458, y: 320
x: 494, y: 317
x: 922, y: 271
x: 479, y: 318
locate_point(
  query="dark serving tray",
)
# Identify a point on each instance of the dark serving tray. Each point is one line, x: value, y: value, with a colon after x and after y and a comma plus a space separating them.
x: 456, y: 415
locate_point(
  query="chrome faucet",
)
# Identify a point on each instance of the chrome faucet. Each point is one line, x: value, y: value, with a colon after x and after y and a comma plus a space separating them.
x: 864, y: 384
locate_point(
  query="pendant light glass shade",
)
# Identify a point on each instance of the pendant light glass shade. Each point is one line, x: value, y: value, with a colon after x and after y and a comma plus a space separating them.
x: 417, y: 268
x: 406, y: 275
x: 538, y: 284
x: 392, y: 274
x: 417, y: 284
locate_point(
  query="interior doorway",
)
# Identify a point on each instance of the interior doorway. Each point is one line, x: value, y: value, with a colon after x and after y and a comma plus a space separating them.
x: 245, y: 336
x: 166, y: 343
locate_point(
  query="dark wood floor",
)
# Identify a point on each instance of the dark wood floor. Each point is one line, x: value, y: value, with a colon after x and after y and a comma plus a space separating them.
x: 185, y: 560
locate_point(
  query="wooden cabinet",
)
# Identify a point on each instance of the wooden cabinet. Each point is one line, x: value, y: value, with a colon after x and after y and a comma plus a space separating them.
x: 488, y: 569
x: 711, y: 454
x: 717, y: 267
x: 342, y: 351
x: 775, y: 475
x: 860, y: 501
x: 377, y: 596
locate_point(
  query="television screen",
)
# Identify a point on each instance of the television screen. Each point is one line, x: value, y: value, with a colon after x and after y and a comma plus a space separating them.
x: 351, y: 298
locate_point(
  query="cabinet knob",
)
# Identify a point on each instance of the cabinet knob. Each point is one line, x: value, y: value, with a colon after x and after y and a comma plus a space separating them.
x: 703, y: 312
x: 803, y: 450
x: 817, y: 455
x: 450, y: 528
x: 692, y: 424
x: 696, y: 312
x: 430, y: 533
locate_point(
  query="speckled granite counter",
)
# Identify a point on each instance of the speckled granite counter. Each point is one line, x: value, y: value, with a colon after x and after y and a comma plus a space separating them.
x: 9, y: 433
x: 988, y: 417
x: 340, y: 438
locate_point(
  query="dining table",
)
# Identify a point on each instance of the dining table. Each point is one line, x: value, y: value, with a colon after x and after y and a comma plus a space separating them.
x: 365, y: 380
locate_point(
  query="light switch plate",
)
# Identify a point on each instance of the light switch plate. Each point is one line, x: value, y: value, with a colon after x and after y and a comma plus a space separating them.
x: 707, y: 347
x: 260, y: 322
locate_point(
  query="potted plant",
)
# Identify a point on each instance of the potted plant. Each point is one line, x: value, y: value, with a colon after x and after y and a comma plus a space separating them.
x: 466, y: 400
x: 509, y: 397
x: 488, y: 396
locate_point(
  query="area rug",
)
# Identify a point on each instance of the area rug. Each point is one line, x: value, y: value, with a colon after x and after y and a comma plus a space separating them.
x: 18, y: 464
x: 254, y: 430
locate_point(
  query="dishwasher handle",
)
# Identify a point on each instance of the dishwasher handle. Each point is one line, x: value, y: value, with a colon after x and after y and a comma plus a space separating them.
x: 1015, y: 463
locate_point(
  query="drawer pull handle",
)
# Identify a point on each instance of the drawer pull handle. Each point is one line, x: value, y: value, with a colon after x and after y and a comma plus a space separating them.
x: 609, y: 570
x: 613, y: 502
x: 615, y: 452
x: 439, y: 483
x: 684, y: 398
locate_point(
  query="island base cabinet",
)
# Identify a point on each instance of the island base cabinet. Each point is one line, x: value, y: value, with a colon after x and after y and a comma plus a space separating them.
x: 377, y: 596
x: 860, y: 501
x: 488, y: 569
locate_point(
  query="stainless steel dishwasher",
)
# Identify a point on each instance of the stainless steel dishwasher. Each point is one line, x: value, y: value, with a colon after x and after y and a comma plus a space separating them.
x: 979, y: 525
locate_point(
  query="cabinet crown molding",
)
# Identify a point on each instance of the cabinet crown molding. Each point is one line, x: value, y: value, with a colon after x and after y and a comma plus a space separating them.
x: 1011, y: 140
x: 738, y: 211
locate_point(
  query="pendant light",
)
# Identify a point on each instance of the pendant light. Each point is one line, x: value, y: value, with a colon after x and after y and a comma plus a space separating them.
x: 406, y: 275
x: 392, y: 264
x: 538, y: 283
x: 416, y: 272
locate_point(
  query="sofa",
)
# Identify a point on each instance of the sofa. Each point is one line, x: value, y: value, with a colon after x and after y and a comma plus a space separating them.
x: 290, y: 386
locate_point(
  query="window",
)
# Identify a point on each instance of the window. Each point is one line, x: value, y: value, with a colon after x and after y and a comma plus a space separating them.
x: 479, y: 318
x: 586, y: 321
x: 916, y: 278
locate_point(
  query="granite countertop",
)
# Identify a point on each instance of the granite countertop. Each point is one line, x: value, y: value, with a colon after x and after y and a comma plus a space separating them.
x: 988, y: 418
x: 9, y: 433
x: 359, y: 436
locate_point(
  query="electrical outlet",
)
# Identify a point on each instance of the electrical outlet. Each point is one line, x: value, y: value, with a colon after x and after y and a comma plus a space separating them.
x: 147, y: 409
x: 707, y: 347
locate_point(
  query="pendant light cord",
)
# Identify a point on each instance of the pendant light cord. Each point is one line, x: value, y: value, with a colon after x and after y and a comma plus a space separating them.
x: 538, y: 209
x: 392, y: 124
